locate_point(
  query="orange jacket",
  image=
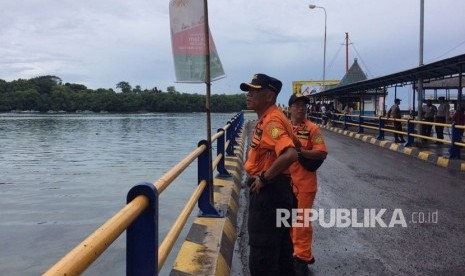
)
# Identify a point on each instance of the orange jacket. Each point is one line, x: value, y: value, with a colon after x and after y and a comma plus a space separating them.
x: 311, y: 138
x: 272, y: 135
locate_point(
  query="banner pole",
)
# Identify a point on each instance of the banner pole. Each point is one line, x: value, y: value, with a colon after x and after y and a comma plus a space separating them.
x: 208, y: 84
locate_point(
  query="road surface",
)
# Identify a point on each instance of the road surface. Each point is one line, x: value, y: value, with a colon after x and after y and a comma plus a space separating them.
x: 424, y: 204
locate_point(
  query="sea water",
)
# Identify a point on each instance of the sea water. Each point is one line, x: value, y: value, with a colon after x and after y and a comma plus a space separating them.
x: 63, y: 175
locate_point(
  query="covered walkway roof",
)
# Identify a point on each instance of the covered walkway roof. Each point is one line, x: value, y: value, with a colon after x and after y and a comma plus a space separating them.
x: 440, y: 70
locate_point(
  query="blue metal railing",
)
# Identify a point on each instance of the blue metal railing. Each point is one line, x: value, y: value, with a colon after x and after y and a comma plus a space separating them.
x: 379, y: 124
x: 140, y: 216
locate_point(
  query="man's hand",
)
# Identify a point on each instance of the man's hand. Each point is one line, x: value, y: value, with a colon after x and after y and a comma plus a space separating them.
x: 297, y: 142
x: 257, y: 185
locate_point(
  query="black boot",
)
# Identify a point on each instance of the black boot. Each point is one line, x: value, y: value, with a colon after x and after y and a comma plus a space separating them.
x: 301, y: 267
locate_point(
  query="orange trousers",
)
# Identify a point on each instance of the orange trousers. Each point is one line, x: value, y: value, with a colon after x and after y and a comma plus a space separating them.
x: 302, y: 236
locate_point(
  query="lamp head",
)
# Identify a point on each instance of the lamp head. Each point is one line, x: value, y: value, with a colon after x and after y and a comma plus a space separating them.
x: 311, y: 6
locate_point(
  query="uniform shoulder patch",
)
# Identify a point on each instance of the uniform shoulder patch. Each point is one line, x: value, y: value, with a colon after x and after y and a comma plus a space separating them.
x: 318, y: 139
x: 274, y: 133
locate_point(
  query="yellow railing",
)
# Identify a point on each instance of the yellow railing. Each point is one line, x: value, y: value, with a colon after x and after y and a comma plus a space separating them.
x: 359, y: 121
x: 83, y: 255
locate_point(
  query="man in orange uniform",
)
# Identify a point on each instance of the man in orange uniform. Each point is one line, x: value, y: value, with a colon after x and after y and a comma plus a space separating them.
x: 271, y: 152
x: 311, y: 145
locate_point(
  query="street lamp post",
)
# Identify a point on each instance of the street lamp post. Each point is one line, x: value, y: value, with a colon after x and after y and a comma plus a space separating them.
x: 324, y: 51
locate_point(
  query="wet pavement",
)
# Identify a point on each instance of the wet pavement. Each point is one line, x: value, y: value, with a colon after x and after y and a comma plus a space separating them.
x: 367, y: 179
x: 439, y: 149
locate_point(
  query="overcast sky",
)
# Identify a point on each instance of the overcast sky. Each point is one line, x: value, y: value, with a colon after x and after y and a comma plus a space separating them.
x: 100, y: 43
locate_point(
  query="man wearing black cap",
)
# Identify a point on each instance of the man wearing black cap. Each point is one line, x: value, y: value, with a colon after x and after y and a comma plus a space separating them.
x: 271, y: 152
x: 312, y: 147
x: 429, y: 111
x: 442, y: 116
x: 395, y: 112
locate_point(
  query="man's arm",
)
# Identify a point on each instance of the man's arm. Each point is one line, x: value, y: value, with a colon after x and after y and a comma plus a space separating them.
x: 284, y: 160
x: 313, y: 154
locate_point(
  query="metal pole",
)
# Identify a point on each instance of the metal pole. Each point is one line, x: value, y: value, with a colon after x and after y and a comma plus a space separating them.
x: 347, y: 52
x: 384, y: 102
x: 420, y: 78
x: 413, y: 100
x: 459, y: 95
x: 324, y: 55
x: 324, y: 47
x: 208, y: 83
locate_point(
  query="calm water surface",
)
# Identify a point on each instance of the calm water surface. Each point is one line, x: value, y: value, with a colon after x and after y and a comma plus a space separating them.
x: 62, y: 176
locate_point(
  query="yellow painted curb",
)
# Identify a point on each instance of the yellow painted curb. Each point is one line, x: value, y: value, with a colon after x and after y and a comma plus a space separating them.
x: 223, y: 268
x: 209, y: 245
x: 186, y: 261
x: 408, y: 151
x: 443, y: 162
x: 383, y: 143
x: 423, y: 155
x: 394, y: 147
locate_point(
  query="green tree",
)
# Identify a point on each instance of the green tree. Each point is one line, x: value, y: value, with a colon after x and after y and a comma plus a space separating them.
x: 60, y: 98
x: 137, y: 89
x: 171, y: 89
x: 45, y: 84
x: 76, y: 87
x: 124, y: 86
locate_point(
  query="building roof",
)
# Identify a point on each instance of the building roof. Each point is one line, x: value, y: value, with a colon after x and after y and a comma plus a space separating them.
x: 443, y: 69
x: 354, y: 74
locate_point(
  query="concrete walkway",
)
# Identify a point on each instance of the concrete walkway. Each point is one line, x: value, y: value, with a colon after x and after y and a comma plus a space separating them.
x: 359, y: 176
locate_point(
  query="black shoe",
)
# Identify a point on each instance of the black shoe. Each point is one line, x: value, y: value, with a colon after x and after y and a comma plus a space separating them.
x: 301, y: 266
x: 312, y: 261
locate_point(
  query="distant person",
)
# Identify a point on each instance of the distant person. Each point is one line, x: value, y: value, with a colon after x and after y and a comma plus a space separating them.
x: 310, y: 145
x: 459, y: 119
x: 325, y: 114
x: 271, y: 152
x: 442, y: 116
x: 346, y: 109
x: 429, y: 111
x: 394, y: 111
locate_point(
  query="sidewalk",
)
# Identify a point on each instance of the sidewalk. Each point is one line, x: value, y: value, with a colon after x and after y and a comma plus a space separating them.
x: 429, y: 151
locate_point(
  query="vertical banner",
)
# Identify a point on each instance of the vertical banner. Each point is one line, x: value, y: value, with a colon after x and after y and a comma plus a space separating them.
x: 187, y: 22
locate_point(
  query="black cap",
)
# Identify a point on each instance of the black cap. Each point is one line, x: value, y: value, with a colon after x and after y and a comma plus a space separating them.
x: 298, y: 97
x: 262, y: 81
x: 397, y: 100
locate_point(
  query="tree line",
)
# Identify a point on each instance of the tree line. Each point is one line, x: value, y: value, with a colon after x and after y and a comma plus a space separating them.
x: 46, y: 93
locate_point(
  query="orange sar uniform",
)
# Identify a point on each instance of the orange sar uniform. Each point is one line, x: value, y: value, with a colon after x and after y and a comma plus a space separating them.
x: 271, y: 246
x: 304, y: 186
x: 272, y: 135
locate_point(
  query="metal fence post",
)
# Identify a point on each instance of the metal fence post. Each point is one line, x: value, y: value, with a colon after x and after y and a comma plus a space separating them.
x: 229, y: 137
x: 205, y: 203
x: 241, y: 118
x: 142, y: 234
x: 410, y: 130
x: 380, y: 129
x: 220, y: 150
x: 346, y: 127
x: 454, y: 151
x: 233, y: 131
x: 360, y: 123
